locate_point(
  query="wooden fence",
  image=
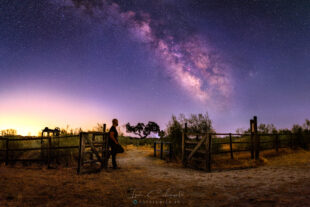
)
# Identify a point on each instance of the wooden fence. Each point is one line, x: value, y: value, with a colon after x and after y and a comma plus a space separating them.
x: 48, y: 148
x: 203, y: 146
x: 162, y: 144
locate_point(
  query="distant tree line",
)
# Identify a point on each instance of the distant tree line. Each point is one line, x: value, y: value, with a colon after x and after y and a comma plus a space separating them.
x: 8, y: 132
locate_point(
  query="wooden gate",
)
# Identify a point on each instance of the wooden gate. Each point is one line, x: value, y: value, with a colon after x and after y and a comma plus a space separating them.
x: 203, y: 148
x: 93, y: 150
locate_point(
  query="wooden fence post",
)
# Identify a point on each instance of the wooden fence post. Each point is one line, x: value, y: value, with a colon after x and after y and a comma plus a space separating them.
x: 103, y: 143
x: 49, y: 152
x: 58, y: 155
x: 80, y: 154
x: 104, y: 128
x: 7, y: 151
x: 291, y: 140
x: 155, y: 149
x: 208, y: 143
x: 183, y: 148
x: 257, y: 139
x: 104, y: 146
x: 207, y: 152
x: 161, y: 150
x: 42, y: 152
x: 93, y: 140
x: 83, y: 148
x: 231, y: 150
x: 105, y: 150
x: 252, y: 138
x: 277, y: 142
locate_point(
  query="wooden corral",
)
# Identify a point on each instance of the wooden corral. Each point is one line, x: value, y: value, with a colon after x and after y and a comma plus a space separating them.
x: 201, y: 149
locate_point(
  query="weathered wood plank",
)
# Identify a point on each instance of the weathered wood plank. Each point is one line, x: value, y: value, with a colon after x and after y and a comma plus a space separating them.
x: 94, y: 150
x: 197, y: 147
x: 198, y: 151
x: 191, y: 142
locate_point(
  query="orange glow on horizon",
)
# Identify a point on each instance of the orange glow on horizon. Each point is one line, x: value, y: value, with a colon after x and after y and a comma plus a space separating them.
x: 30, y: 114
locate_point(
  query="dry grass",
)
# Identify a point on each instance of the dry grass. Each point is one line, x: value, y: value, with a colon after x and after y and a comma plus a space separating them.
x: 242, y: 160
x: 141, y: 147
x: 289, y: 157
x: 281, y: 177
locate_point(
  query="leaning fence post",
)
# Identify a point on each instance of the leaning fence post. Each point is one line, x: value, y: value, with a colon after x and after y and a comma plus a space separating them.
x: 231, y: 150
x: 7, y: 151
x: 154, y: 148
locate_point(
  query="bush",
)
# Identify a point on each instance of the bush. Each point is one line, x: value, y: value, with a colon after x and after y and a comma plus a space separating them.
x: 200, y: 123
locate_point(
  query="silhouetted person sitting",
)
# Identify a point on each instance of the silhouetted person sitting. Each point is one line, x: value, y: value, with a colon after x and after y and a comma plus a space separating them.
x: 113, y: 142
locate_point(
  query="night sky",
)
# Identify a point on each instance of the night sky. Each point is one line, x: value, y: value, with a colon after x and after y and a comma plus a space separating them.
x: 78, y: 63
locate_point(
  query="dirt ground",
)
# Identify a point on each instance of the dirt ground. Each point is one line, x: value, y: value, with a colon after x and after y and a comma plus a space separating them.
x: 147, y: 181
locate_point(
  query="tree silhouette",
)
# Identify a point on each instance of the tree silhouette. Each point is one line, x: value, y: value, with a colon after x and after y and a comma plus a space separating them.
x: 8, y: 132
x: 143, y: 130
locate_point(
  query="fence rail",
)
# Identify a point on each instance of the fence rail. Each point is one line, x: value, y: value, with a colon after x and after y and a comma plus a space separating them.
x: 43, y: 147
x: 211, y: 144
x: 161, y: 149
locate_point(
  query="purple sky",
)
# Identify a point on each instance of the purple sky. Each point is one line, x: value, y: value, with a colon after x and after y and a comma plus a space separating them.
x: 82, y: 62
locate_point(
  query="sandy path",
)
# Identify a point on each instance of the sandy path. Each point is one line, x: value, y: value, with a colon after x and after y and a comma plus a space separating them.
x: 263, y: 186
x: 154, y: 182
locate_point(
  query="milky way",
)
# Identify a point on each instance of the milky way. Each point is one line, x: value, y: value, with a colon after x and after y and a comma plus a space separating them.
x: 188, y: 60
x: 142, y: 60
